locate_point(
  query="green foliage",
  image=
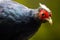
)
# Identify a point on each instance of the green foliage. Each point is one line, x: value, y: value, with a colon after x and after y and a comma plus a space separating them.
x: 46, y: 31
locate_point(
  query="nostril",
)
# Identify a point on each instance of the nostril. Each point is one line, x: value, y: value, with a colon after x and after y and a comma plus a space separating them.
x: 50, y: 15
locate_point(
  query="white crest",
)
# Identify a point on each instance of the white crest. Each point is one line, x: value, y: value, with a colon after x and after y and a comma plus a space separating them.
x: 44, y: 7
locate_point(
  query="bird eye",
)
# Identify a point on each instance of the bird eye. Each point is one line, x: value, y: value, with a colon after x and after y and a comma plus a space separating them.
x: 43, y: 14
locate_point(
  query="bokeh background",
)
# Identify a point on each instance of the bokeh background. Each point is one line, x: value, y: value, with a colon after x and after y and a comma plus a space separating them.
x: 46, y: 31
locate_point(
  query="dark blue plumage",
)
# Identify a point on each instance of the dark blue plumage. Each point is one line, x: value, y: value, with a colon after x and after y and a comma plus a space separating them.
x: 17, y: 22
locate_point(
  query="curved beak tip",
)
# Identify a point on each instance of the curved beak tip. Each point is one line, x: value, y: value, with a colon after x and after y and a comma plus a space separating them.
x: 50, y: 20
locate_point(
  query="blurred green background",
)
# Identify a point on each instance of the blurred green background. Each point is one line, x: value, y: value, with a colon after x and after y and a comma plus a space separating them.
x: 46, y: 31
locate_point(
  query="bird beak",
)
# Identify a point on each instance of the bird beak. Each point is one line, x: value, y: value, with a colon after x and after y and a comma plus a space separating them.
x: 49, y: 20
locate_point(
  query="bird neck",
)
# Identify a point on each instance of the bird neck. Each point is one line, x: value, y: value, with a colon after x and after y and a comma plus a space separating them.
x: 35, y: 13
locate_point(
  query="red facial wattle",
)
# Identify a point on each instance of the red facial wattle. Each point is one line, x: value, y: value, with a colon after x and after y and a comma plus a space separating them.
x: 44, y: 14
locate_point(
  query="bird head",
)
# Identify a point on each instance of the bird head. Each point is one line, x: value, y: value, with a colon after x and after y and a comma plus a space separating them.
x: 45, y: 13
